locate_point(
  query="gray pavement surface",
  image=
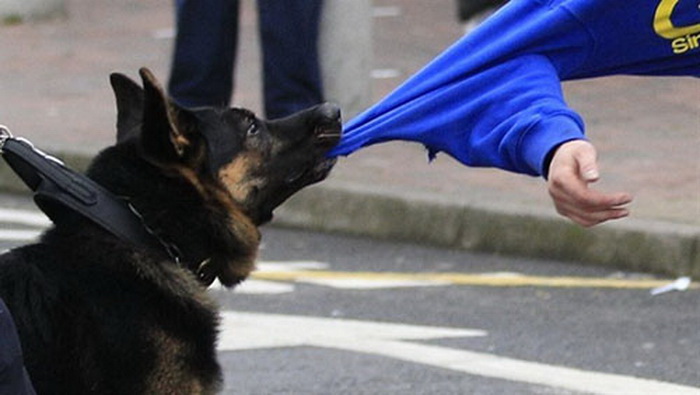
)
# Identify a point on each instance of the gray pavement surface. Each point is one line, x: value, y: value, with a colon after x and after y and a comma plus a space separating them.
x: 362, y: 316
x: 54, y: 91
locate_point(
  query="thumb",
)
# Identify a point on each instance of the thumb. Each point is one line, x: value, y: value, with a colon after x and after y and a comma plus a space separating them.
x: 587, y: 160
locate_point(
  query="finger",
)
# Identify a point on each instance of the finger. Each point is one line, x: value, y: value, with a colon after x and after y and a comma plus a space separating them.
x: 590, y: 213
x: 593, y: 200
x: 593, y: 210
x: 590, y: 217
x: 577, y: 192
x: 589, y: 207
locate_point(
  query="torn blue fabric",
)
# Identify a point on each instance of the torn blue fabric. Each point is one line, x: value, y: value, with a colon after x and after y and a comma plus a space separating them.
x: 494, y: 97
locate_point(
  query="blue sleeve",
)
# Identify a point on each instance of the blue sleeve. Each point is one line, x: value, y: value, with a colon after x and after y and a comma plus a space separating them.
x: 494, y: 97
x: 494, y: 118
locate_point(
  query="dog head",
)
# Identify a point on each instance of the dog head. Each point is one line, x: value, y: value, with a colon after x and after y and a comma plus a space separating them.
x: 259, y: 162
x: 238, y: 163
x: 262, y: 163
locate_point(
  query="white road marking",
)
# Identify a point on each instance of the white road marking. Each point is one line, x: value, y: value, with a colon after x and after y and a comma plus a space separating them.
x: 243, y: 331
x: 24, y: 217
x: 254, y: 286
x: 290, y: 266
x: 19, y: 235
x: 34, y: 219
x: 257, y: 287
x: 246, y: 331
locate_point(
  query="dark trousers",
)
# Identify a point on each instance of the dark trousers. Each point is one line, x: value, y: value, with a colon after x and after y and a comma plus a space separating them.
x: 205, y: 53
x: 467, y: 9
x: 13, y: 378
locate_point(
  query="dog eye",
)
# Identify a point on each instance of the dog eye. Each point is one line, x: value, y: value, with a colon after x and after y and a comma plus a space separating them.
x: 252, y: 130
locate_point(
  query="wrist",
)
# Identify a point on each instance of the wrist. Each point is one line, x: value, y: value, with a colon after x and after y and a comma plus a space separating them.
x: 542, y: 141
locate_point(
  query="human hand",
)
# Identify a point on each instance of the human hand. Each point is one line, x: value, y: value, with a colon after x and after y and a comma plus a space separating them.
x: 573, y: 167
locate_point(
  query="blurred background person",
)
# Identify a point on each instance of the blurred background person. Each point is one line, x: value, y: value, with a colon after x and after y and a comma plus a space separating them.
x: 472, y: 12
x: 202, y: 70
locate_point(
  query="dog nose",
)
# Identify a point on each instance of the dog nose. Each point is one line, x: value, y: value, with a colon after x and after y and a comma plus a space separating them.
x: 329, y: 111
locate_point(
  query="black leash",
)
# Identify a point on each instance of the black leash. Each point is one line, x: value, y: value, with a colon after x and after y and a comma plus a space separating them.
x: 62, y: 193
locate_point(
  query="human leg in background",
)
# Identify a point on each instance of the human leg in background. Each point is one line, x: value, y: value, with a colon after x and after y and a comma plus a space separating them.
x: 472, y: 12
x: 289, y: 41
x: 205, y: 51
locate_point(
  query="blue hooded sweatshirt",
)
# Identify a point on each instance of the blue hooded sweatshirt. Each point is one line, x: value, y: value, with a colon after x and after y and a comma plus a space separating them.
x: 494, y: 98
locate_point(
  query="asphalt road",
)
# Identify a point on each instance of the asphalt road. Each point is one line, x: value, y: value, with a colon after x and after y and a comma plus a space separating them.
x: 327, y: 314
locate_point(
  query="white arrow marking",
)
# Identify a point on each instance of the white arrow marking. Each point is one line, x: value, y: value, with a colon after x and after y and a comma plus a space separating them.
x: 245, y: 331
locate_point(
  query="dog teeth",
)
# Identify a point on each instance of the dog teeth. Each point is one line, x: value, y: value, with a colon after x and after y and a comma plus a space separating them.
x: 328, y: 133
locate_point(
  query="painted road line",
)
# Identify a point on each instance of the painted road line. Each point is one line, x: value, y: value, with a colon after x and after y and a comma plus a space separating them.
x: 290, y: 266
x: 19, y: 235
x: 256, y: 287
x: 486, y: 280
x: 24, y: 217
x: 246, y: 331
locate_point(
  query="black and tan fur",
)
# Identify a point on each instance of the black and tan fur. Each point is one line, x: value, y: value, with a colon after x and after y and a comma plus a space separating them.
x: 100, y: 315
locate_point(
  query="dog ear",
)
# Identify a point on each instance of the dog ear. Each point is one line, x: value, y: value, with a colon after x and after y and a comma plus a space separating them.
x: 129, y: 96
x: 162, y: 137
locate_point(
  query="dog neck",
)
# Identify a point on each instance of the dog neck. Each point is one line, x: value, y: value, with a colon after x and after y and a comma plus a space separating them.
x: 197, y: 221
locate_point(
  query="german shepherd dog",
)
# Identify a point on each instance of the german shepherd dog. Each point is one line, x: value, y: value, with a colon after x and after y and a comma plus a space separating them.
x: 99, y: 315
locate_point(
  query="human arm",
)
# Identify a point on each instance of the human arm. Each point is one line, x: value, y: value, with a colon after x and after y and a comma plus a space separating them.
x: 493, y: 99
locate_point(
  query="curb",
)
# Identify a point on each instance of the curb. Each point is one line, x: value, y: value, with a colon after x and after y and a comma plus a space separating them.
x: 644, y: 246
x: 634, y: 245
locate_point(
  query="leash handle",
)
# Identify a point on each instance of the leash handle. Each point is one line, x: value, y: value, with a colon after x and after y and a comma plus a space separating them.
x: 25, y: 160
x: 5, y: 134
x: 62, y: 194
